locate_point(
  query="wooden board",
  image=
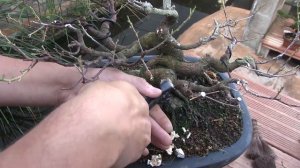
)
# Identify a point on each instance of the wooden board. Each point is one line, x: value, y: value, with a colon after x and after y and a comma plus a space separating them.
x: 274, y: 39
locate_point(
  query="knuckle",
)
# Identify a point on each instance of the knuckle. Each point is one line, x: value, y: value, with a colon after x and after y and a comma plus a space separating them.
x: 118, y: 83
x: 148, y: 127
x: 145, y: 105
x: 147, y: 140
x: 123, y: 85
x: 145, y: 129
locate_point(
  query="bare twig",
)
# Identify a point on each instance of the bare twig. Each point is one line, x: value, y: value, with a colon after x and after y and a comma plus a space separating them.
x: 202, y: 41
x: 260, y: 73
x: 276, y: 97
x: 222, y: 103
x: 19, y: 77
x: 149, y: 9
x: 15, y: 47
x: 141, y: 47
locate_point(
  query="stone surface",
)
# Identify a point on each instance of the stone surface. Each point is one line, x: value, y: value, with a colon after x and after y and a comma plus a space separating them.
x: 265, y: 12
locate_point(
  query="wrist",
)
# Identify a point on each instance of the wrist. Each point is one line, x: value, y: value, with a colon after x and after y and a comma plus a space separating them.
x: 72, y: 81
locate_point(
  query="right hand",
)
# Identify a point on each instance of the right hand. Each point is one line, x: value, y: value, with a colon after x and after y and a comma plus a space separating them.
x: 124, y: 117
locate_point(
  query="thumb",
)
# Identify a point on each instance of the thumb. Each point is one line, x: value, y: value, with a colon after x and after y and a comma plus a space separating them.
x: 144, y: 87
x: 140, y: 84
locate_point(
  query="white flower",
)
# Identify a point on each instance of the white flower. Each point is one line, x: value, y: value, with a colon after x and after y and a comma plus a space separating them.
x: 155, y: 161
x: 174, y: 135
x: 179, y: 153
x: 170, y: 149
x: 203, y: 94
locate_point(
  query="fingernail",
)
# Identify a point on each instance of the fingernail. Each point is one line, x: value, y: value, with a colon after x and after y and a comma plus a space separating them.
x: 167, y: 144
x: 168, y: 141
x: 155, y: 90
x: 169, y: 127
x: 145, y: 152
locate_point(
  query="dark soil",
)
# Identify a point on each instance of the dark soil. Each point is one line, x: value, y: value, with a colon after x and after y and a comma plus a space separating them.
x: 218, y: 126
x: 213, y: 126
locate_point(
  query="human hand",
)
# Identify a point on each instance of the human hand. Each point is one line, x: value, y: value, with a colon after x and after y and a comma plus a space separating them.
x: 160, y: 124
x: 106, y: 124
x: 124, y: 114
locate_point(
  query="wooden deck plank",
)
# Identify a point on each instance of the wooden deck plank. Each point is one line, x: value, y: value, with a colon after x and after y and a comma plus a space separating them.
x: 271, y: 112
x: 277, y: 137
x: 241, y: 162
x: 278, y: 106
x: 292, y: 113
x: 277, y: 117
x: 280, y: 142
x: 290, y: 134
x: 283, y: 160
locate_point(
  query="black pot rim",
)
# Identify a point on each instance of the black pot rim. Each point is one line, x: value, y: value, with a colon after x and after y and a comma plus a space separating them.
x: 213, y: 159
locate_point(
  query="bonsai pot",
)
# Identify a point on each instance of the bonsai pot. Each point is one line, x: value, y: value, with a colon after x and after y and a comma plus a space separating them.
x: 213, y: 159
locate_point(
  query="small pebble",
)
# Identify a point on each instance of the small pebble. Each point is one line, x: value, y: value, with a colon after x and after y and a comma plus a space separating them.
x: 188, y: 136
x: 183, y: 129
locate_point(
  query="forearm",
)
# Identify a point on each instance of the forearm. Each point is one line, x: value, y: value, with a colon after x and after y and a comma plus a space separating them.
x: 45, y: 84
x: 74, y: 135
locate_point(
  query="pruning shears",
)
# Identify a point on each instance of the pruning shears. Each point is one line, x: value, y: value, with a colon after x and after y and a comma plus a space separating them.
x: 166, y: 86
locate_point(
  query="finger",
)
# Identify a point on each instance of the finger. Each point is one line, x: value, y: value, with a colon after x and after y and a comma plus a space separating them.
x: 144, y: 87
x: 161, y: 118
x: 159, y: 137
x: 111, y: 74
x: 146, y: 152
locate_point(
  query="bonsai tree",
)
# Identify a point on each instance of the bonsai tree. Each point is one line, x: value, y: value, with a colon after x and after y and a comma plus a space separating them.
x: 79, y: 33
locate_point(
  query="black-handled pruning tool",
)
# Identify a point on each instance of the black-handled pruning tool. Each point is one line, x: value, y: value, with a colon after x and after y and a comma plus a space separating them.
x: 166, y: 85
